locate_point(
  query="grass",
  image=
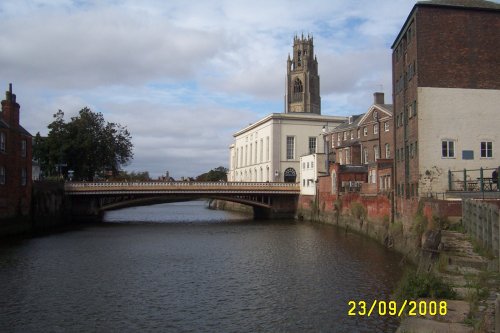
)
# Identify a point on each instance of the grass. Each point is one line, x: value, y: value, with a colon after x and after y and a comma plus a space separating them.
x: 415, y: 285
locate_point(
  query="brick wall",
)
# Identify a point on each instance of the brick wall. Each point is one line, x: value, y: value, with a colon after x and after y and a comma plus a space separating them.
x: 15, y: 197
x: 458, y: 48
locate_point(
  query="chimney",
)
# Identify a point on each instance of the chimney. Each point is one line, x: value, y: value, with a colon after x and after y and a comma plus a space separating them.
x: 378, y: 98
x: 10, y: 109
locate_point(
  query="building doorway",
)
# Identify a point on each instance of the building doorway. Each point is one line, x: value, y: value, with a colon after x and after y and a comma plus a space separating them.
x: 290, y: 175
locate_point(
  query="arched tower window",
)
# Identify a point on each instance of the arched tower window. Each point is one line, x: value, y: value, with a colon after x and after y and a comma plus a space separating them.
x: 297, y: 86
x: 299, y: 58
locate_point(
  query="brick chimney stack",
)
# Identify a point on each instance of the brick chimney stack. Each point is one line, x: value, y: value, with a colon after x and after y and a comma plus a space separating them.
x: 378, y: 98
x: 10, y: 109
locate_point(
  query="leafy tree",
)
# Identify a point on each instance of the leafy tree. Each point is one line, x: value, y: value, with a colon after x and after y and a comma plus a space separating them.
x: 87, y: 144
x: 133, y: 176
x: 217, y: 174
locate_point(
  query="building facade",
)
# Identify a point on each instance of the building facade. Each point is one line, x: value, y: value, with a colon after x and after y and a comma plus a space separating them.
x: 270, y: 149
x: 446, y: 92
x: 365, y: 141
x: 15, y: 161
x: 312, y: 167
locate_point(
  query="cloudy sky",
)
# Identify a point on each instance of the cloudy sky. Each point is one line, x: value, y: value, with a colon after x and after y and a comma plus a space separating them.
x: 183, y: 76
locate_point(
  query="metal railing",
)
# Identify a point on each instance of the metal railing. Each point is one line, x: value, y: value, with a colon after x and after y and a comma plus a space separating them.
x: 474, y: 180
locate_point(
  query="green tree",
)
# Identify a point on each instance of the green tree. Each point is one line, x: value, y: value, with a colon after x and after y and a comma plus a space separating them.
x: 87, y: 144
x: 214, y: 175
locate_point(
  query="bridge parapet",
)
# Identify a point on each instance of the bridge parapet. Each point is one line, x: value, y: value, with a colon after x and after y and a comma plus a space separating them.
x: 201, y: 187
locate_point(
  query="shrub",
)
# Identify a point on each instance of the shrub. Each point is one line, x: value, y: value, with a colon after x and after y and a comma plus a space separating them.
x: 414, y: 285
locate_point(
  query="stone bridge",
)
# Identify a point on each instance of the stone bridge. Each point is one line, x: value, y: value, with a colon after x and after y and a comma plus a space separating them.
x: 88, y: 200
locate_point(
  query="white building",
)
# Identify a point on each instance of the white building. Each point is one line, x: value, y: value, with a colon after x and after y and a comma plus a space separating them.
x: 462, y: 135
x: 270, y: 149
x: 311, y: 167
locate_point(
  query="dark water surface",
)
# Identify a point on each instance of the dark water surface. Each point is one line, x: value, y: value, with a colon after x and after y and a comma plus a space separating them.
x: 183, y: 268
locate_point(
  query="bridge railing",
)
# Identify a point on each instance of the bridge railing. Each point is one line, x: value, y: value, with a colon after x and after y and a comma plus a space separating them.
x: 183, y: 187
x: 180, y: 184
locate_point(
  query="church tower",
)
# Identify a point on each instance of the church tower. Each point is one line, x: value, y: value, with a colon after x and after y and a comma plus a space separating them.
x: 302, y: 93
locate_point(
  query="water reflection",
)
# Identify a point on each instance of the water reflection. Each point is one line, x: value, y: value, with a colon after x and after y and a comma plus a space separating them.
x: 203, y: 276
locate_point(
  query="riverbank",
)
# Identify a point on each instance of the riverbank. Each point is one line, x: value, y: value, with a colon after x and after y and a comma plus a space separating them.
x: 447, y: 256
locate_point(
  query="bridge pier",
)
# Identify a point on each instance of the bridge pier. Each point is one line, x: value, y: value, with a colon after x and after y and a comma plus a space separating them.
x: 281, y: 208
x: 86, y: 209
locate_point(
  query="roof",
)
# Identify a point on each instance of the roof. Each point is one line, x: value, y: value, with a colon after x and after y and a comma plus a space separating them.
x: 478, y: 4
x: 455, y: 4
x: 292, y: 117
x: 354, y: 168
x: 22, y: 130
x: 345, y: 125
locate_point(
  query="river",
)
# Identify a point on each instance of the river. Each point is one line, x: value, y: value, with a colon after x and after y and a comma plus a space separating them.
x: 181, y: 267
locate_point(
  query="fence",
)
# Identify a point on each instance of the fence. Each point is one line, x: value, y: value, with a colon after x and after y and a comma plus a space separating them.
x: 474, y: 180
x: 481, y: 220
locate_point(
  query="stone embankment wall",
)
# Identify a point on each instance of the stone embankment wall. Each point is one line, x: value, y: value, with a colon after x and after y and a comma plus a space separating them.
x: 481, y: 219
x: 49, y: 207
x: 369, y: 215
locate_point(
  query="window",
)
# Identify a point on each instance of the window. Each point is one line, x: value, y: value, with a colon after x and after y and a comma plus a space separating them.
x: 261, y: 150
x: 365, y: 131
x: 267, y: 148
x: 375, y: 152
x: 256, y: 150
x: 386, y: 126
x: 297, y: 86
x: 387, y: 151
x: 24, y: 177
x: 365, y: 151
x: 251, y: 150
x: 312, y: 145
x: 359, y: 133
x: 2, y: 175
x: 352, y: 135
x: 448, y: 148
x: 345, y: 136
x: 2, y: 141
x: 486, y: 149
x: 348, y: 156
x: 290, y: 147
x: 375, y: 129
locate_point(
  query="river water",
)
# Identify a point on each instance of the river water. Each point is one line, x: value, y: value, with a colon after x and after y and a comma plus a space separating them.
x: 184, y: 268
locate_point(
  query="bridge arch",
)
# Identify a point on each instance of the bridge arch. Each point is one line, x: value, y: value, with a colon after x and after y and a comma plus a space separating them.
x: 276, y: 200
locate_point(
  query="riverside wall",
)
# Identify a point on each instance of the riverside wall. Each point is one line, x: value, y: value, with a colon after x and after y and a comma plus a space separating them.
x: 49, y: 209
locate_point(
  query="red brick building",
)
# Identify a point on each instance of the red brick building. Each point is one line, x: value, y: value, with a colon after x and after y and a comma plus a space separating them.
x: 15, y: 161
x: 446, y: 92
x: 365, y: 140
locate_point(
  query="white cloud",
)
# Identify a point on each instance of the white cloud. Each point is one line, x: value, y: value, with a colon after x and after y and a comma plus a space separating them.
x: 184, y: 76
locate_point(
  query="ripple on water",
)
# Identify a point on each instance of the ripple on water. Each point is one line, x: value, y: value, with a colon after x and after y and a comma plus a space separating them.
x: 206, y: 275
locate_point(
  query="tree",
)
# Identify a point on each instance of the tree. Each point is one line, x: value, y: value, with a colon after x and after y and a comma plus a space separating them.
x: 87, y: 144
x: 214, y: 175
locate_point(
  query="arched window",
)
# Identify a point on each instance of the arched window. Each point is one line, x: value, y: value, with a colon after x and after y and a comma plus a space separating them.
x: 290, y: 175
x: 297, y: 86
